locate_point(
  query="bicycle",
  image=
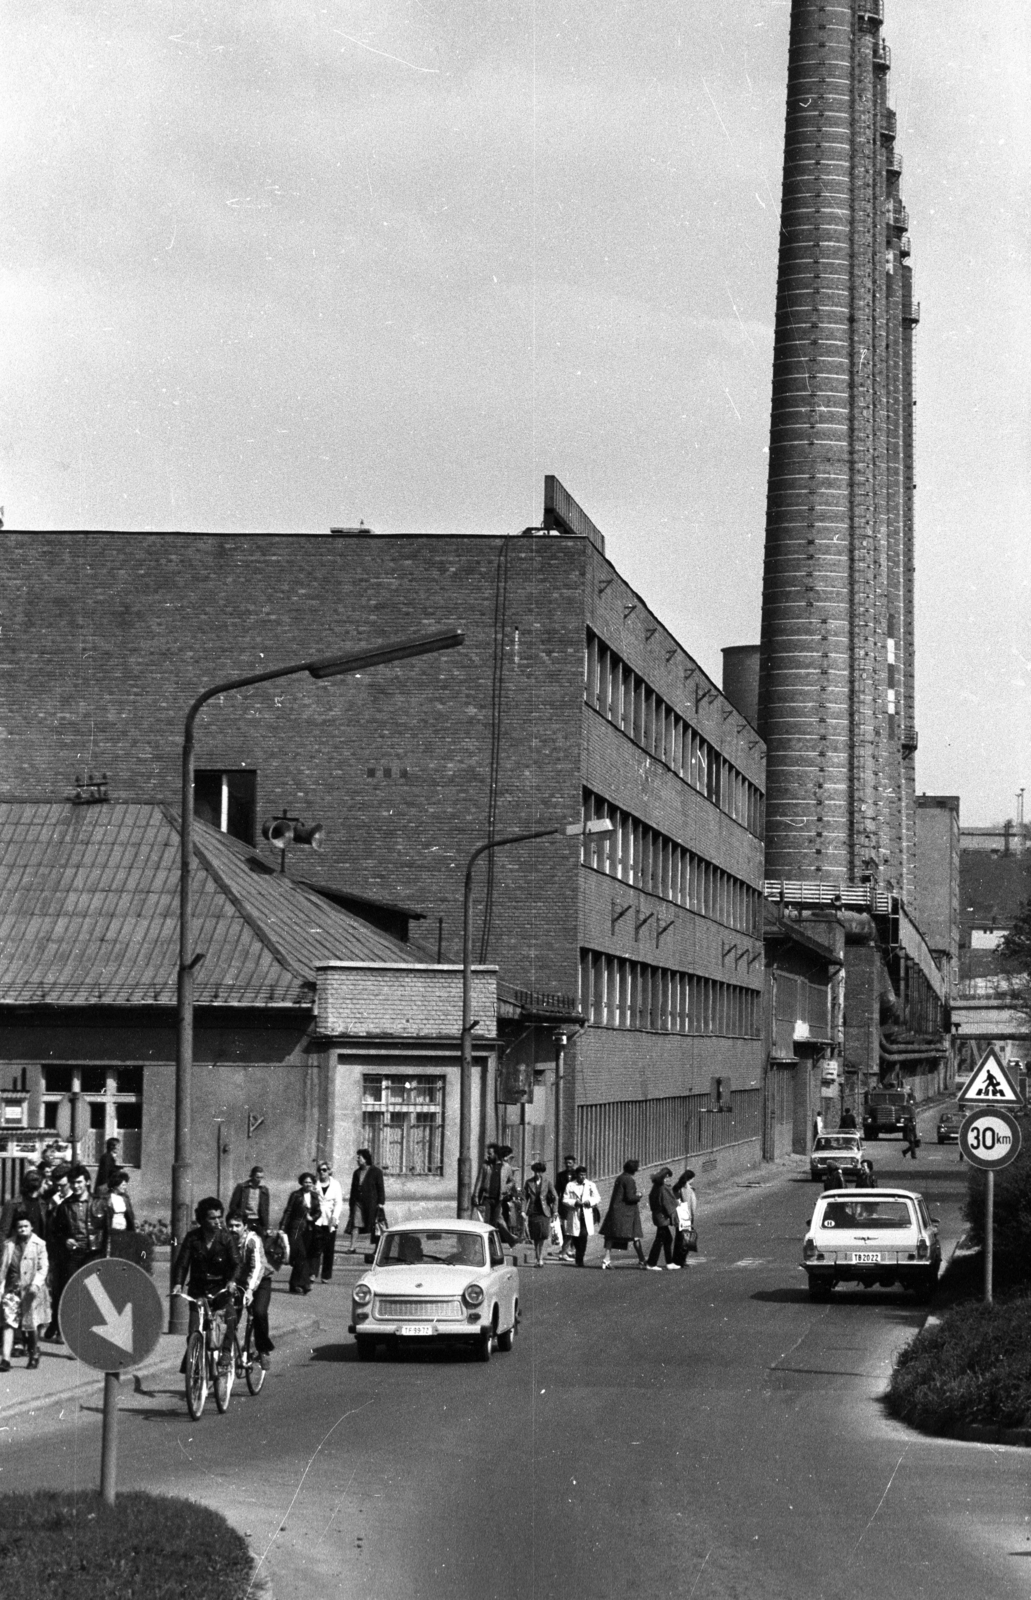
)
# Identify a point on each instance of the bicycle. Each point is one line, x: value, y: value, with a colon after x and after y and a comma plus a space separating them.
x: 207, y: 1367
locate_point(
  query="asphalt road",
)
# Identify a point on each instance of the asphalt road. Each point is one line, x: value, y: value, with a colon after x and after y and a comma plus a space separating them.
x: 709, y: 1433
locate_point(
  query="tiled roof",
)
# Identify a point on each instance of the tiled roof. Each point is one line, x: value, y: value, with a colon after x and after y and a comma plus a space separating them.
x: 89, y: 913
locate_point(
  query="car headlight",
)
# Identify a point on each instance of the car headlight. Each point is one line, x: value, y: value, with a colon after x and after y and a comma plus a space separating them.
x: 361, y: 1294
x: 472, y: 1294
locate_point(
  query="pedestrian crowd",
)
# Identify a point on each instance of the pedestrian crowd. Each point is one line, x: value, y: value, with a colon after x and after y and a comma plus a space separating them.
x: 61, y: 1219
x: 567, y: 1213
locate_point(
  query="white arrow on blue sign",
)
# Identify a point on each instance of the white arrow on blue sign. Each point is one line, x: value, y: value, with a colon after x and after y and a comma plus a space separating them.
x: 111, y: 1314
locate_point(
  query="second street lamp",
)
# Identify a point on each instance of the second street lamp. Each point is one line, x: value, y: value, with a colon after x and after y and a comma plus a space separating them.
x: 189, y: 959
x: 465, y: 1163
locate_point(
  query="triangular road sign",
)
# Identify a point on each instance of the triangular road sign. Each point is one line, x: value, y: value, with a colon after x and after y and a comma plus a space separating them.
x: 990, y: 1084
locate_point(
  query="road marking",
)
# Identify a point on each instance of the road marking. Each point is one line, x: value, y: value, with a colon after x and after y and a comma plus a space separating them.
x: 750, y: 1261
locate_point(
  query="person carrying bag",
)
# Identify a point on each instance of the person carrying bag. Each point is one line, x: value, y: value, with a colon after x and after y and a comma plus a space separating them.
x: 686, y: 1240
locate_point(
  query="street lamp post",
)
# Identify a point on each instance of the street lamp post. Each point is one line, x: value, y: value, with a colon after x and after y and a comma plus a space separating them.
x: 465, y: 1174
x: 189, y: 959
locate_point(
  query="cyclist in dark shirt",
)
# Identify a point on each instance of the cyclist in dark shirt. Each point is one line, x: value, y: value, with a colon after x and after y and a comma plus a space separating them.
x: 207, y: 1264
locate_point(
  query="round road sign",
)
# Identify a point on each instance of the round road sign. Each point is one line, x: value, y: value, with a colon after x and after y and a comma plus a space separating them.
x: 990, y: 1139
x: 111, y: 1314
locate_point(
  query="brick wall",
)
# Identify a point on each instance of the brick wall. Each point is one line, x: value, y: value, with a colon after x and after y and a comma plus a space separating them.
x: 402, y: 1002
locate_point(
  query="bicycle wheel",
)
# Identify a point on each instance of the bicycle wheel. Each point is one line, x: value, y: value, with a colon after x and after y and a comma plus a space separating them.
x: 253, y: 1368
x: 225, y: 1372
x: 196, y: 1375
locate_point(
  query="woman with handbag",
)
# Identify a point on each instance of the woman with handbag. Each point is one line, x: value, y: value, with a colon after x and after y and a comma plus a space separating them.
x: 539, y: 1205
x: 581, y: 1212
x: 662, y: 1202
x: 622, y: 1223
x: 686, y: 1240
x: 298, y: 1223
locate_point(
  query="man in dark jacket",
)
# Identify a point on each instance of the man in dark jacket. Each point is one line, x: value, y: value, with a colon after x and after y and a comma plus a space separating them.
x: 250, y: 1200
x: 73, y: 1232
x: 207, y: 1264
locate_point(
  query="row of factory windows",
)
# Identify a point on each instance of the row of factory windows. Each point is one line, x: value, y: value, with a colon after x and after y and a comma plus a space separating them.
x: 617, y: 993
x: 623, y: 697
x: 641, y: 856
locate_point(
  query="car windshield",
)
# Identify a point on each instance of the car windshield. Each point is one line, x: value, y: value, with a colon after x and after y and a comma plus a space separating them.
x: 444, y: 1247
x: 867, y: 1214
x: 836, y: 1141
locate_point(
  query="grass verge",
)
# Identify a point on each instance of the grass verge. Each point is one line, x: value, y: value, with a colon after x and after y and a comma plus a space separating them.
x: 145, y: 1547
x: 972, y: 1367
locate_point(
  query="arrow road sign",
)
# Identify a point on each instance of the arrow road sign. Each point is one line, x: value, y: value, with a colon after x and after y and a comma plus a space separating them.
x: 111, y: 1314
x: 989, y: 1084
x: 990, y: 1139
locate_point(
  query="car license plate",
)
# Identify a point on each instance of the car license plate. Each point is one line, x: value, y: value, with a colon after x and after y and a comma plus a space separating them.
x: 415, y: 1330
x: 865, y: 1255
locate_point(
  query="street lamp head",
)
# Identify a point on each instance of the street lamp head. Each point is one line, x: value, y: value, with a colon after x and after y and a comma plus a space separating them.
x: 599, y: 825
x: 335, y: 666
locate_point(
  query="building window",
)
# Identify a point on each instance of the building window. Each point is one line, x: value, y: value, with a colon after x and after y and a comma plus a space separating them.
x: 403, y: 1124
x: 228, y: 801
x: 112, y: 1106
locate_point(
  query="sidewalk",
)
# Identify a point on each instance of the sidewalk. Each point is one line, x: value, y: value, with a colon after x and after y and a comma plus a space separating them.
x: 60, y: 1376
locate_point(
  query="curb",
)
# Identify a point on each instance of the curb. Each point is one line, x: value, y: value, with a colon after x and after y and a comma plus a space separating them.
x: 164, y: 1361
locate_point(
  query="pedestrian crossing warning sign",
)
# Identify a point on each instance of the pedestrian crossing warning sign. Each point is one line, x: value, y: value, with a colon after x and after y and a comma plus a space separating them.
x: 989, y: 1084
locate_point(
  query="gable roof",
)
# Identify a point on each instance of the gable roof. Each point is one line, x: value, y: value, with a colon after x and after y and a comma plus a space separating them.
x: 89, y: 913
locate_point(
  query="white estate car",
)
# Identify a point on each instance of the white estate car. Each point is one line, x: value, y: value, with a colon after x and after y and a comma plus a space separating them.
x: 871, y: 1236
x: 437, y: 1279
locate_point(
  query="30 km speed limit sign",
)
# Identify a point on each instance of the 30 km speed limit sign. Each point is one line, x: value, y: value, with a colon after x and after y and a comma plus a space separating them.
x: 990, y: 1139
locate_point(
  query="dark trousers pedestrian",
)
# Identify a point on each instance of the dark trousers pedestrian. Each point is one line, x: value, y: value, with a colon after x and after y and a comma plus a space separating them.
x: 580, y: 1245
x: 259, y: 1317
x: 323, y: 1252
x: 910, y: 1143
x: 661, y: 1245
x: 300, y: 1261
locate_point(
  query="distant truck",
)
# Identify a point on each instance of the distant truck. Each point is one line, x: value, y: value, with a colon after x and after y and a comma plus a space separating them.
x: 884, y: 1112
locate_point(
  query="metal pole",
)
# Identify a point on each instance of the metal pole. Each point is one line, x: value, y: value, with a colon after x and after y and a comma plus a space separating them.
x: 464, y: 1206
x: 182, y: 1168
x: 109, y: 1438
x: 465, y: 1086
x: 326, y: 667
x: 560, y: 1059
x: 989, y: 1240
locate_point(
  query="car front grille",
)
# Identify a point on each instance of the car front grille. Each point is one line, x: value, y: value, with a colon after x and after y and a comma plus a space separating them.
x: 391, y: 1308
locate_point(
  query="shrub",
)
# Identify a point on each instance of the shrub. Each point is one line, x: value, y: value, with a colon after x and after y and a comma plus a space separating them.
x: 145, y: 1547
x: 1012, y: 1218
x: 974, y: 1366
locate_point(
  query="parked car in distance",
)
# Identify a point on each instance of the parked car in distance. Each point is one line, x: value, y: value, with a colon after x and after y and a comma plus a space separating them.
x: 872, y: 1236
x: 949, y: 1124
x: 437, y: 1279
x: 844, y: 1148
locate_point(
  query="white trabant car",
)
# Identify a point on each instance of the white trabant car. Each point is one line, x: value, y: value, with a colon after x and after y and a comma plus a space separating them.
x: 871, y: 1236
x: 437, y: 1279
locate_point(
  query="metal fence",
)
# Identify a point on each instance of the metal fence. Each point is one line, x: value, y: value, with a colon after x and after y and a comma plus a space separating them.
x: 676, y: 1127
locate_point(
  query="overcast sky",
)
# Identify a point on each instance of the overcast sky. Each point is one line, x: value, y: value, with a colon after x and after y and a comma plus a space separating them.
x: 288, y: 265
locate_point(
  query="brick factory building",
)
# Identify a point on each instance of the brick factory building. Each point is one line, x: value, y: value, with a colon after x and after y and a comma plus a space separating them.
x: 568, y: 698
x: 834, y: 687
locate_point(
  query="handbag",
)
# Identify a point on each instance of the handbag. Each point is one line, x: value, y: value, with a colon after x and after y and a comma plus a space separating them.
x: 596, y: 1214
x: 684, y: 1217
x: 555, y: 1231
x: 380, y: 1225
x: 690, y: 1240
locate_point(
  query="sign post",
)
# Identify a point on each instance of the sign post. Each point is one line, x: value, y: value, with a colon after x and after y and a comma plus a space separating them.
x: 990, y: 1140
x: 110, y: 1318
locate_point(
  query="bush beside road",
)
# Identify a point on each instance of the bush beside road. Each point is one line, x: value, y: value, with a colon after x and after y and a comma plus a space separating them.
x: 146, y: 1547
